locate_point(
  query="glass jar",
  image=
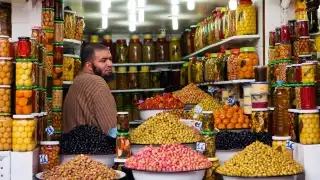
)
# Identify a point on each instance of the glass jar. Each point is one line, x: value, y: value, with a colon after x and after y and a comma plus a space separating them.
x: 6, y: 132
x: 57, y: 97
x: 155, y: 78
x: 165, y: 78
x: 209, y: 138
x: 246, y: 18
x: 308, y: 72
x: 285, y: 34
x: 94, y: 38
x: 246, y: 60
x: 79, y: 28
x: 57, y: 74
x: 56, y: 136
x: 47, y: 18
x: 123, y: 148
x: 121, y: 51
x: 107, y: 41
x: 42, y: 99
x: 58, y: 10
x: 135, y: 49
x: 281, y: 114
x: 48, y: 107
x: 309, y: 126
x: 23, y: 49
x: 304, y: 48
x: 48, y: 3
x: 122, y: 78
x: 6, y: 71
x: 112, y: 83
x: 209, y: 68
x: 297, y: 95
x: 290, y: 76
x: 24, y: 69
x: 49, y: 85
x: 296, y: 47
x: 206, y: 117
x: 260, y: 73
x: 133, y: 77
x: 122, y: 121
x: 308, y: 96
x: 225, y: 20
x: 259, y: 119
x: 277, y: 51
x: 144, y: 77
x: 211, y: 173
x: 176, y: 77
x: 34, y: 49
x: 48, y: 155
x: 175, y: 49
x: 24, y: 133
x: 232, y: 64
x: 232, y: 22
x: 271, y: 71
x: 162, y: 48
x: 217, y: 24
x: 149, y: 49
x: 58, y: 31
x: 279, y: 143
x: 5, y: 22
x: 259, y: 100
x: 47, y: 39
x: 298, y: 73
x: 303, y: 28
x: 77, y: 67
x: 56, y: 118
x: 36, y: 33
x: 49, y: 63
x: 183, y: 75
x: 69, y: 24
x: 5, y: 45
x: 282, y: 65
x: 68, y: 67
x: 285, y: 51
x: 57, y: 53
x: 119, y: 100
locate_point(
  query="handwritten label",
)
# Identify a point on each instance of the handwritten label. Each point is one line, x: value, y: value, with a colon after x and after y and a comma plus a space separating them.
x: 198, y: 125
x: 290, y: 145
x: 43, y: 159
x: 211, y: 89
x: 231, y: 100
x: 50, y: 130
x: 198, y: 109
x: 201, y: 146
x: 113, y: 132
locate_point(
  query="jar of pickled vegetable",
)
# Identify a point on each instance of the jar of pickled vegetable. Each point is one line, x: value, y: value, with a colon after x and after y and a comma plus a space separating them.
x: 57, y: 53
x: 303, y: 28
x: 165, y: 78
x: 308, y: 72
x: 304, y: 48
x: 317, y: 92
x: 123, y: 148
x: 24, y: 133
x: 135, y: 49
x: 133, y: 77
x: 6, y: 71
x: 285, y: 34
x: 281, y: 115
x: 209, y: 68
x: 279, y: 143
x: 175, y: 49
x: 282, y: 64
x: 149, y: 49
x: 24, y: 69
x: 57, y: 75
x: 121, y: 51
x: 119, y: 100
x: 68, y: 67
x: 308, y: 96
x: 217, y: 24
x: 317, y: 42
x: 162, y: 48
x: 232, y: 64
x: 198, y: 70
x: 278, y: 35
x: 285, y: 51
x: 123, y: 121
x: 209, y: 139
x: 246, y: 18
x: 5, y: 45
x: 225, y: 20
x: 290, y: 74
x: 48, y: 3
x: 58, y: 31
x: 277, y: 51
x: 309, y: 126
x: 184, y: 74
x: 23, y: 49
x: 107, y: 41
x: 47, y: 18
x: 259, y: 120
x: 144, y: 77
x: 36, y: 33
x: 6, y: 132
x: 122, y: 78
x: 113, y: 81
x: 155, y: 78
x: 57, y: 119
x: 297, y: 72
x: 69, y: 24
x: 57, y: 97
x: 79, y: 28
x: 48, y: 155
x: 271, y: 70
x: 34, y: 49
x: 246, y: 60
x: 232, y: 16
x: 49, y: 63
x: 77, y: 66
x: 47, y: 39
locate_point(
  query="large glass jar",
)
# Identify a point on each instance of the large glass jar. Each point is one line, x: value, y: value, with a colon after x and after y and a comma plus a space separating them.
x: 107, y: 41
x: 58, y: 31
x: 149, y: 49
x: 47, y: 18
x: 304, y: 46
x: 49, y: 63
x: 197, y: 71
x: 79, y: 28
x: 57, y: 53
x: 5, y: 99
x: 58, y: 10
x: 57, y: 119
x: 36, y: 33
x: 246, y: 18
x: 144, y: 77
x: 279, y: 143
x: 175, y: 49
x: 165, y: 78
x: 225, y: 21
x: 155, y: 78
x: 308, y: 72
x: 119, y: 100
x: 209, y: 138
x: 48, y: 155
x: 24, y: 69
x: 192, y: 39
x: 308, y: 96
x: 162, y: 48
x: 69, y: 24
x: 271, y: 71
x: 259, y: 120
x: 246, y: 60
x: 176, y: 77
x: 47, y: 40
x: 6, y: 132
x: 209, y: 28
x: 77, y: 66
x: 309, y: 126
x: 5, y: 45
x: 135, y: 49
x: 290, y: 74
x: 24, y: 133
x: 285, y: 51
x: 23, y: 48
x: 232, y: 64
x: 123, y: 148
x: 6, y: 71
x: 121, y: 51
x: 232, y: 22
x: 184, y: 74
x: 122, y: 78
x: 277, y: 51
x: 57, y: 75
x: 281, y: 115
x: 303, y: 28
x: 217, y: 24
x: 57, y: 97
x: 94, y: 38
x: 281, y: 67
x: 133, y: 77
x: 68, y: 67
x: 112, y: 83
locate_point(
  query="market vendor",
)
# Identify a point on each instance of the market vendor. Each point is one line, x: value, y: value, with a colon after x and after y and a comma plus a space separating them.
x: 89, y: 99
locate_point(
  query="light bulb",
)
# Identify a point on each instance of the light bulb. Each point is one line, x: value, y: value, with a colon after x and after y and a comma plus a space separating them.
x: 233, y: 4
x: 132, y: 18
x: 141, y: 15
x: 132, y: 27
x: 104, y: 6
x: 175, y: 10
x: 104, y: 22
x: 175, y: 2
x: 191, y: 5
x: 141, y: 3
x: 132, y: 5
x: 175, y: 23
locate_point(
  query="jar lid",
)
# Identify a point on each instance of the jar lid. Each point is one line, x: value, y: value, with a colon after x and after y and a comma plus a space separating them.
x: 175, y: 39
x: 47, y: 9
x: 122, y: 69
x: 133, y: 69
x: 144, y: 69
x: 147, y: 36
x: 193, y: 26
x: 247, y: 105
x: 304, y: 37
x: 71, y: 55
x: 307, y: 84
x: 308, y: 111
x: 94, y: 38
x: 49, y: 98
x: 24, y: 87
x: 58, y: 43
x: 247, y: 49
x: 122, y: 113
x: 58, y: 21
x: 281, y: 138
x: 260, y: 109
x: 308, y: 63
x: 161, y: 36
x: 135, y: 36
x: 295, y: 65
x: 48, y: 143
x: 306, y: 56
x: 117, y: 160
x: 5, y: 114
x: 44, y: 113
x: 271, y: 108
x: 266, y: 82
x: 214, y: 55
x: 57, y: 65
x: 6, y: 58
x: 36, y: 27
x: 285, y: 60
x: 5, y: 86
x: 123, y: 134
x: 56, y: 110
x: 176, y: 70
x: 57, y: 132
x: 49, y: 53
x: 49, y: 31
x: 293, y: 110
x: 121, y: 41
x: 271, y: 47
x: 29, y: 116
x: 208, y: 132
x: 214, y: 159
x: 70, y: 12
x: 188, y: 30
x: 155, y: 71
x: 78, y: 16
x: 207, y: 112
x: 107, y: 37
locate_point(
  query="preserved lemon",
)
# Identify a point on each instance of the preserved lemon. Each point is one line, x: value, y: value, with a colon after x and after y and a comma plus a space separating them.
x: 246, y: 18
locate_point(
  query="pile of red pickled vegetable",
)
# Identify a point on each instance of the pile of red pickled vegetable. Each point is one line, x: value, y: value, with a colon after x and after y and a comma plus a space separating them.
x: 166, y: 101
x: 168, y: 158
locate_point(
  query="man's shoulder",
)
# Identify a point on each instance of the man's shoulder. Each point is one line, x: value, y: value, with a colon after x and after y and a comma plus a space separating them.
x: 90, y: 80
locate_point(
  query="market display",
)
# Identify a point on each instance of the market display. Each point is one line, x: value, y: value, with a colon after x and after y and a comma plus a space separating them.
x: 208, y: 104
x: 177, y: 159
x: 191, y: 94
x: 165, y: 101
x: 231, y: 117
x: 81, y: 167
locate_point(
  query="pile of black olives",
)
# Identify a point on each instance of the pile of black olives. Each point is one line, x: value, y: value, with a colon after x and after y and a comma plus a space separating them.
x: 87, y: 139
x: 226, y: 140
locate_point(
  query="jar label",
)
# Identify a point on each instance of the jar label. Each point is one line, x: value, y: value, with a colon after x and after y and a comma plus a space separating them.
x: 201, y: 146
x: 198, y: 125
x: 211, y: 89
x: 198, y: 109
x: 43, y: 159
x: 290, y: 145
x: 50, y: 130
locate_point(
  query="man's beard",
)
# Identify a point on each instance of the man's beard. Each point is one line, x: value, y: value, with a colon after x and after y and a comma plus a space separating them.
x: 96, y: 71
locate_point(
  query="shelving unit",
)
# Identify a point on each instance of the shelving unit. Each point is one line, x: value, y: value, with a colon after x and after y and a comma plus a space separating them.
x: 149, y: 64
x: 137, y: 90
x: 238, y: 81
x: 234, y: 41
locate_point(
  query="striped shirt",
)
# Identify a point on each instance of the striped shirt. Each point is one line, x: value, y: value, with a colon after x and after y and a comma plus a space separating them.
x: 89, y: 101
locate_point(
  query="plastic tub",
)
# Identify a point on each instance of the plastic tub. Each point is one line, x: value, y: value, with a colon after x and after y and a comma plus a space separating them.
x: 259, y: 100
x: 259, y: 87
x: 259, y: 119
x: 48, y: 155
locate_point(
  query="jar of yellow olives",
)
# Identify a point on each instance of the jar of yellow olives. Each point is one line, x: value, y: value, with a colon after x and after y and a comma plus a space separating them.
x: 68, y: 67
x: 24, y: 128
x: 309, y: 126
x: 24, y: 68
x: 279, y: 143
x: 5, y: 132
x: 246, y: 18
x: 308, y: 72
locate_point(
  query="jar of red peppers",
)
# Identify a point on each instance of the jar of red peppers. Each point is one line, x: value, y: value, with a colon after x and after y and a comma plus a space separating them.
x: 58, y: 10
x: 303, y: 28
x: 107, y: 41
x: 57, y: 53
x: 308, y: 96
x: 24, y: 47
x: 162, y: 47
x: 285, y: 34
x: 135, y: 49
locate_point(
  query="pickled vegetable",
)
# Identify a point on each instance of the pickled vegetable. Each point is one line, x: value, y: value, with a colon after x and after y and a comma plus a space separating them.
x: 155, y: 78
x: 6, y: 71
x: 6, y: 133
x: 58, y: 31
x: 57, y: 75
x: 246, y: 60
x: 175, y: 49
x: 4, y: 46
x: 133, y: 78
x: 309, y: 127
x: 246, y: 18
x: 24, y: 69
x: 259, y: 120
x: 207, y: 121
x: 123, y: 121
x: 123, y: 148
x: 308, y: 72
x: 122, y: 78
x: 149, y: 49
x: 24, y: 133
x: 47, y: 40
x: 69, y: 24
x: 47, y: 18
x: 79, y: 28
x: 50, y: 151
x: 68, y: 67
x: 209, y: 138
x: 57, y: 119
x: 121, y: 51
x: 144, y: 78
x: 135, y: 50
x: 57, y: 97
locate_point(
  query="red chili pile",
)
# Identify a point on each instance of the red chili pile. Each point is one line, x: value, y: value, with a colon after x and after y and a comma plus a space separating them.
x: 166, y: 101
x: 168, y: 158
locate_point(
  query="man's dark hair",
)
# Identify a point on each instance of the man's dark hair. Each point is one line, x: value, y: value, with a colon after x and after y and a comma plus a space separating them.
x: 88, y: 52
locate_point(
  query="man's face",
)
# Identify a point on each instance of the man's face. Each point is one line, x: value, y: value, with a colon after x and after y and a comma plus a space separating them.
x: 102, y: 64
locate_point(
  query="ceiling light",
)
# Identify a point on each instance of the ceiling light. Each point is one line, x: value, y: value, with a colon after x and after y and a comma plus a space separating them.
x: 175, y: 2
x: 132, y: 5
x: 141, y: 3
x: 141, y: 15
x: 132, y: 27
x: 104, y: 6
x: 132, y: 18
x: 233, y: 4
x: 104, y: 22
x: 175, y: 9
x: 191, y: 5
x: 175, y: 23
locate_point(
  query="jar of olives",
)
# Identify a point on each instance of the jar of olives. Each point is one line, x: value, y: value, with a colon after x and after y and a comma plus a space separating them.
x: 155, y: 78
x: 246, y: 18
x: 144, y: 77
x: 48, y: 155
x: 135, y: 49
x: 121, y: 51
x: 209, y: 138
x: 24, y: 133
x: 122, y: 78
x: 149, y: 49
x: 246, y: 60
x: 304, y: 46
x: 69, y: 24
x: 133, y: 77
x: 6, y: 132
x: 175, y: 49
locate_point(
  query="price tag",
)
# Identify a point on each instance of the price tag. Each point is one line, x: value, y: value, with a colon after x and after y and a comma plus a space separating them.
x: 113, y: 132
x: 231, y: 100
x: 50, y: 130
x: 201, y: 146
x: 43, y: 159
x: 198, y: 125
x: 211, y: 89
x: 198, y: 109
x: 290, y: 145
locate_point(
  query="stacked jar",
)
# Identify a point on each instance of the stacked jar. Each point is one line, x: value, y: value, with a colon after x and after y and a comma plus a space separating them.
x: 260, y: 89
x: 122, y: 78
x: 135, y: 49
x: 149, y: 49
x: 246, y: 61
x: 260, y: 120
x: 69, y: 62
x: 107, y: 41
x: 247, y: 107
x: 123, y: 148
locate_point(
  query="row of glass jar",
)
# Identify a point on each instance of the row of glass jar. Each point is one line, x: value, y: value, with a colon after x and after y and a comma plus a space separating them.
x: 223, y: 23
x: 133, y: 112
x: 132, y: 99
x: 144, y: 79
x: 136, y: 52
x: 5, y: 20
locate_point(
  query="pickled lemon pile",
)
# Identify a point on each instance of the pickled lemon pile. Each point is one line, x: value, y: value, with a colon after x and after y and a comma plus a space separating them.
x: 258, y: 159
x: 23, y: 73
x: 310, y: 133
x: 23, y: 135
